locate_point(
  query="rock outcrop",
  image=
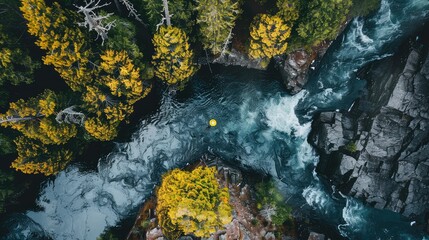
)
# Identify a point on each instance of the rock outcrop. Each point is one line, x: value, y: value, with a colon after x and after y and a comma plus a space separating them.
x: 379, y: 150
x: 294, y: 69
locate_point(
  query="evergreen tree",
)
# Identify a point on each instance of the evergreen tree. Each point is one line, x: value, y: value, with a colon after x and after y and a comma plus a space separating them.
x: 35, y: 118
x: 10, y: 189
x: 110, y: 83
x: 42, y: 149
x: 192, y: 203
x: 36, y: 157
x: 269, y: 36
x: 323, y: 20
x: 173, y: 56
x: 288, y: 10
x: 16, y: 66
x: 216, y: 19
x: 182, y: 17
x: 65, y: 45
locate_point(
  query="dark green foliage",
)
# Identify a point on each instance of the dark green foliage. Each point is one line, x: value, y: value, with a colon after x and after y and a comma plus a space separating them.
x: 123, y: 38
x: 6, y: 189
x: 16, y: 66
x: 107, y: 235
x: 216, y: 19
x: 271, y: 203
x: 9, y: 189
x: 182, y: 11
x: 6, y: 143
x: 351, y: 147
x: 322, y: 20
x: 364, y: 7
x: 288, y: 10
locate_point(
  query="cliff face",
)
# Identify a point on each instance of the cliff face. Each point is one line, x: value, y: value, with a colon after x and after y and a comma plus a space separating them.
x: 379, y: 151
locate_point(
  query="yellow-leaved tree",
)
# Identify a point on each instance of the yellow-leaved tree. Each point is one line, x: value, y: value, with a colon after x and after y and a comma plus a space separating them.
x: 109, y: 82
x: 64, y: 44
x: 35, y: 118
x: 106, y: 86
x: 36, y: 157
x: 41, y: 149
x: 173, y: 56
x: 192, y: 203
x: 269, y: 36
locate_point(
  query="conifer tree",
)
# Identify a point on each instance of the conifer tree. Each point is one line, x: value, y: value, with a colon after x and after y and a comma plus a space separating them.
x: 192, y: 203
x: 288, y: 10
x: 65, y: 45
x: 182, y: 17
x: 16, y: 66
x: 173, y: 56
x: 35, y: 118
x: 110, y: 83
x: 216, y: 19
x: 323, y: 20
x: 269, y: 36
x: 10, y: 189
x: 36, y: 157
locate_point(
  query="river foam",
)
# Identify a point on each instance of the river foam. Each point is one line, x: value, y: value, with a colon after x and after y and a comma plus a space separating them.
x: 257, y: 127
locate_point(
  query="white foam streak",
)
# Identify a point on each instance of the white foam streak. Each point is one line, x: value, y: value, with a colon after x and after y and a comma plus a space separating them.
x: 317, y: 198
x: 354, y: 217
x: 280, y: 114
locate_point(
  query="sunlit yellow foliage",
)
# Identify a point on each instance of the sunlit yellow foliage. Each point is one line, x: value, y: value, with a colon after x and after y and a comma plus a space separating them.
x: 35, y: 157
x: 64, y: 45
x: 268, y: 36
x: 121, y: 76
x: 35, y: 118
x: 5, y: 55
x: 193, y: 202
x: 102, y: 130
x: 173, y: 56
x: 118, y: 113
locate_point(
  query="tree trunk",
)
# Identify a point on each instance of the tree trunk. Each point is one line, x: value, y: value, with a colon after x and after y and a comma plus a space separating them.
x: 167, y: 13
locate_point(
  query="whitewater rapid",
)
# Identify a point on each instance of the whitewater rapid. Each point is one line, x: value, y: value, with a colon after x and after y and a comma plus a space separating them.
x: 259, y: 126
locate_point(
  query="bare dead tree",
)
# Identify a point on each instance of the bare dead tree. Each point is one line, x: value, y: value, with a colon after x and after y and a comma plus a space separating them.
x: 131, y: 10
x: 166, y: 17
x: 14, y: 118
x: 70, y: 116
x: 93, y: 21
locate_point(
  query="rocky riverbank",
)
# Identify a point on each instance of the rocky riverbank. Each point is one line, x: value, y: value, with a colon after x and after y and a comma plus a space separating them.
x: 252, y: 217
x: 379, y: 150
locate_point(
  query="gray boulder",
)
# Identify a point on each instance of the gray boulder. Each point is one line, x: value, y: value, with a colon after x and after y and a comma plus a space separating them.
x: 379, y: 151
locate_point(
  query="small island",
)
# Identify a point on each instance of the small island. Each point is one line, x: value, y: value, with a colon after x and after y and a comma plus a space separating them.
x: 211, y: 200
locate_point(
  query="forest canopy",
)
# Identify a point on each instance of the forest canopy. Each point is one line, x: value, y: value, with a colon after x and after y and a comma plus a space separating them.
x: 109, y: 54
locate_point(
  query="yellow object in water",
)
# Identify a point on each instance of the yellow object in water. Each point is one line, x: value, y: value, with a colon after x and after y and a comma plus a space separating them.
x: 212, y: 122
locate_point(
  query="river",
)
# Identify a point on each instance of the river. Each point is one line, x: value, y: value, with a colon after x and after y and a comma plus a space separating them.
x: 259, y: 126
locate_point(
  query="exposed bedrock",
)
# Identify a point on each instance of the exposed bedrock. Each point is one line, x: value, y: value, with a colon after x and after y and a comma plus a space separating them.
x: 294, y: 69
x: 379, y: 150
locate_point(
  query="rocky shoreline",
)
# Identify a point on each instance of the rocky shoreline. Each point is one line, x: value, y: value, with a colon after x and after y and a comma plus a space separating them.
x: 378, y: 151
x: 248, y: 222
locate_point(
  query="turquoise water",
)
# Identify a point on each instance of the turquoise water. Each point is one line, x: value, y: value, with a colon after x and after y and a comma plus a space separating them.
x: 259, y: 126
